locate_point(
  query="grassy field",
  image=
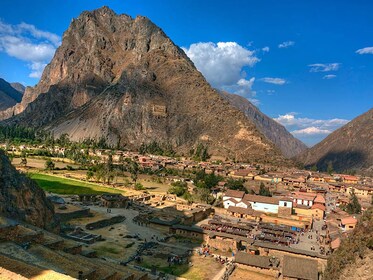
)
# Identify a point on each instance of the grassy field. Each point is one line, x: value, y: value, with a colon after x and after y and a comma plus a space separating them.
x: 60, y: 185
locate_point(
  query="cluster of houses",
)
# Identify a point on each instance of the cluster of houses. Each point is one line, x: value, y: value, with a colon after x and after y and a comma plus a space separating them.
x: 300, y: 204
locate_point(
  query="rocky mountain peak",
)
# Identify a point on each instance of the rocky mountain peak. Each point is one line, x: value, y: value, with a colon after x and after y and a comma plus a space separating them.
x: 123, y: 79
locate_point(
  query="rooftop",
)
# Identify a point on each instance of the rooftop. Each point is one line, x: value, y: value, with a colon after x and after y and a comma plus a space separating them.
x: 235, y: 194
x: 300, y: 268
x: 253, y: 260
x: 261, y: 199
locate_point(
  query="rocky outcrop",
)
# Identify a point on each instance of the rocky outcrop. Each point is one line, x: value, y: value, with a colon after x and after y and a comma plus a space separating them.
x: 348, y: 148
x: 124, y: 80
x: 9, y: 96
x: 22, y: 199
x: 275, y: 132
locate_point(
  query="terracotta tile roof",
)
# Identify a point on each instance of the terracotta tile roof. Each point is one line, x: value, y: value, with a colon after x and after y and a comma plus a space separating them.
x: 318, y: 206
x: 240, y: 210
x: 235, y: 201
x: 235, y: 194
x: 261, y: 199
x: 253, y: 260
x: 348, y: 220
x: 319, y: 199
x: 335, y: 243
x: 300, y: 268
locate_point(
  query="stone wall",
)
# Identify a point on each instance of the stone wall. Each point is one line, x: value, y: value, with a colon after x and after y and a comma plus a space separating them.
x: 73, y: 215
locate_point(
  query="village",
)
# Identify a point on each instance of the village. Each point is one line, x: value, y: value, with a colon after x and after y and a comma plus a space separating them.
x: 283, y: 223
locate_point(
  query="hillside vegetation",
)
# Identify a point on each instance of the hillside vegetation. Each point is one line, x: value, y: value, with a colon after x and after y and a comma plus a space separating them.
x: 352, y: 260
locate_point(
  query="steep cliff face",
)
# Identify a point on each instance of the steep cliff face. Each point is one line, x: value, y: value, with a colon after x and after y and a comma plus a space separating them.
x: 22, y: 199
x: 275, y: 132
x: 123, y: 79
x: 9, y: 96
x: 350, y: 147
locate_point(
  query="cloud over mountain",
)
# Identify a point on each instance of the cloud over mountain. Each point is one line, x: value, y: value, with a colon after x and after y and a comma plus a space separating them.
x: 307, y: 128
x: 27, y: 43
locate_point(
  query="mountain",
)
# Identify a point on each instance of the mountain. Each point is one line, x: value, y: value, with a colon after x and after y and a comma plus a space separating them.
x: 124, y: 80
x: 18, y: 87
x: 350, y: 147
x: 275, y: 132
x: 21, y: 199
x: 9, y: 96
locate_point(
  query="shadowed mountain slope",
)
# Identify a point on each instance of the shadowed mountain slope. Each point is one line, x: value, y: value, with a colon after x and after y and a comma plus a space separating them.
x: 9, y: 96
x: 124, y: 80
x: 275, y: 132
x: 350, y: 147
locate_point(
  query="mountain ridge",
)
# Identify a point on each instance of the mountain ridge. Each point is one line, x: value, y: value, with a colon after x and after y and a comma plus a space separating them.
x: 123, y: 79
x: 348, y: 148
x: 275, y: 132
x: 9, y: 96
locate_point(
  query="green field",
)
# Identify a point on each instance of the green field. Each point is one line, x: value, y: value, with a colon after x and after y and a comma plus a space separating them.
x: 60, y: 185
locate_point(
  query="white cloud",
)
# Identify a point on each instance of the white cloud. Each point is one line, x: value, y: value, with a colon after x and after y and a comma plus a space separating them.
x: 275, y: 81
x: 308, y: 126
x: 37, y: 69
x: 243, y: 87
x: 222, y: 63
x: 265, y: 49
x: 286, y: 44
x: 367, y: 50
x: 25, y: 42
x: 330, y: 76
x: 310, y: 131
x: 324, y: 67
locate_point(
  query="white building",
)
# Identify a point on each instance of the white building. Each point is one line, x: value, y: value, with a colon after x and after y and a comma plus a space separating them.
x: 256, y: 202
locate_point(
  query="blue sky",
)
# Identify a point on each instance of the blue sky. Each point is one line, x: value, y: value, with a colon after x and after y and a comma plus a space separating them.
x: 308, y: 64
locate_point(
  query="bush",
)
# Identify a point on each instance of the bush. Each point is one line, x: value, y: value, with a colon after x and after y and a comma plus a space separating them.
x: 139, y: 187
x: 178, y: 188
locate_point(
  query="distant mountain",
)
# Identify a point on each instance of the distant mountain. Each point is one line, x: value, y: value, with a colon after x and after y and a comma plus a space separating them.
x: 350, y: 147
x: 18, y: 87
x: 124, y: 80
x: 284, y: 140
x: 9, y: 96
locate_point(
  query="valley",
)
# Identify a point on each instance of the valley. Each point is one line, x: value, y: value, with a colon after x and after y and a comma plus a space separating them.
x: 135, y: 156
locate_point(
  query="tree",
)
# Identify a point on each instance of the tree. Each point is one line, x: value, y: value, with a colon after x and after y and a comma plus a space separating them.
x: 89, y: 175
x: 204, y: 195
x: 24, y: 161
x: 134, y: 170
x: 23, y: 158
x: 353, y: 207
x: 314, y: 168
x: 49, y: 165
x: 330, y: 168
x: 236, y: 185
x: 263, y: 191
x: 178, y: 188
x: 139, y: 187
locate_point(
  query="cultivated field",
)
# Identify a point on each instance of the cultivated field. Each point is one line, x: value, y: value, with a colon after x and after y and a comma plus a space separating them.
x: 58, y: 185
